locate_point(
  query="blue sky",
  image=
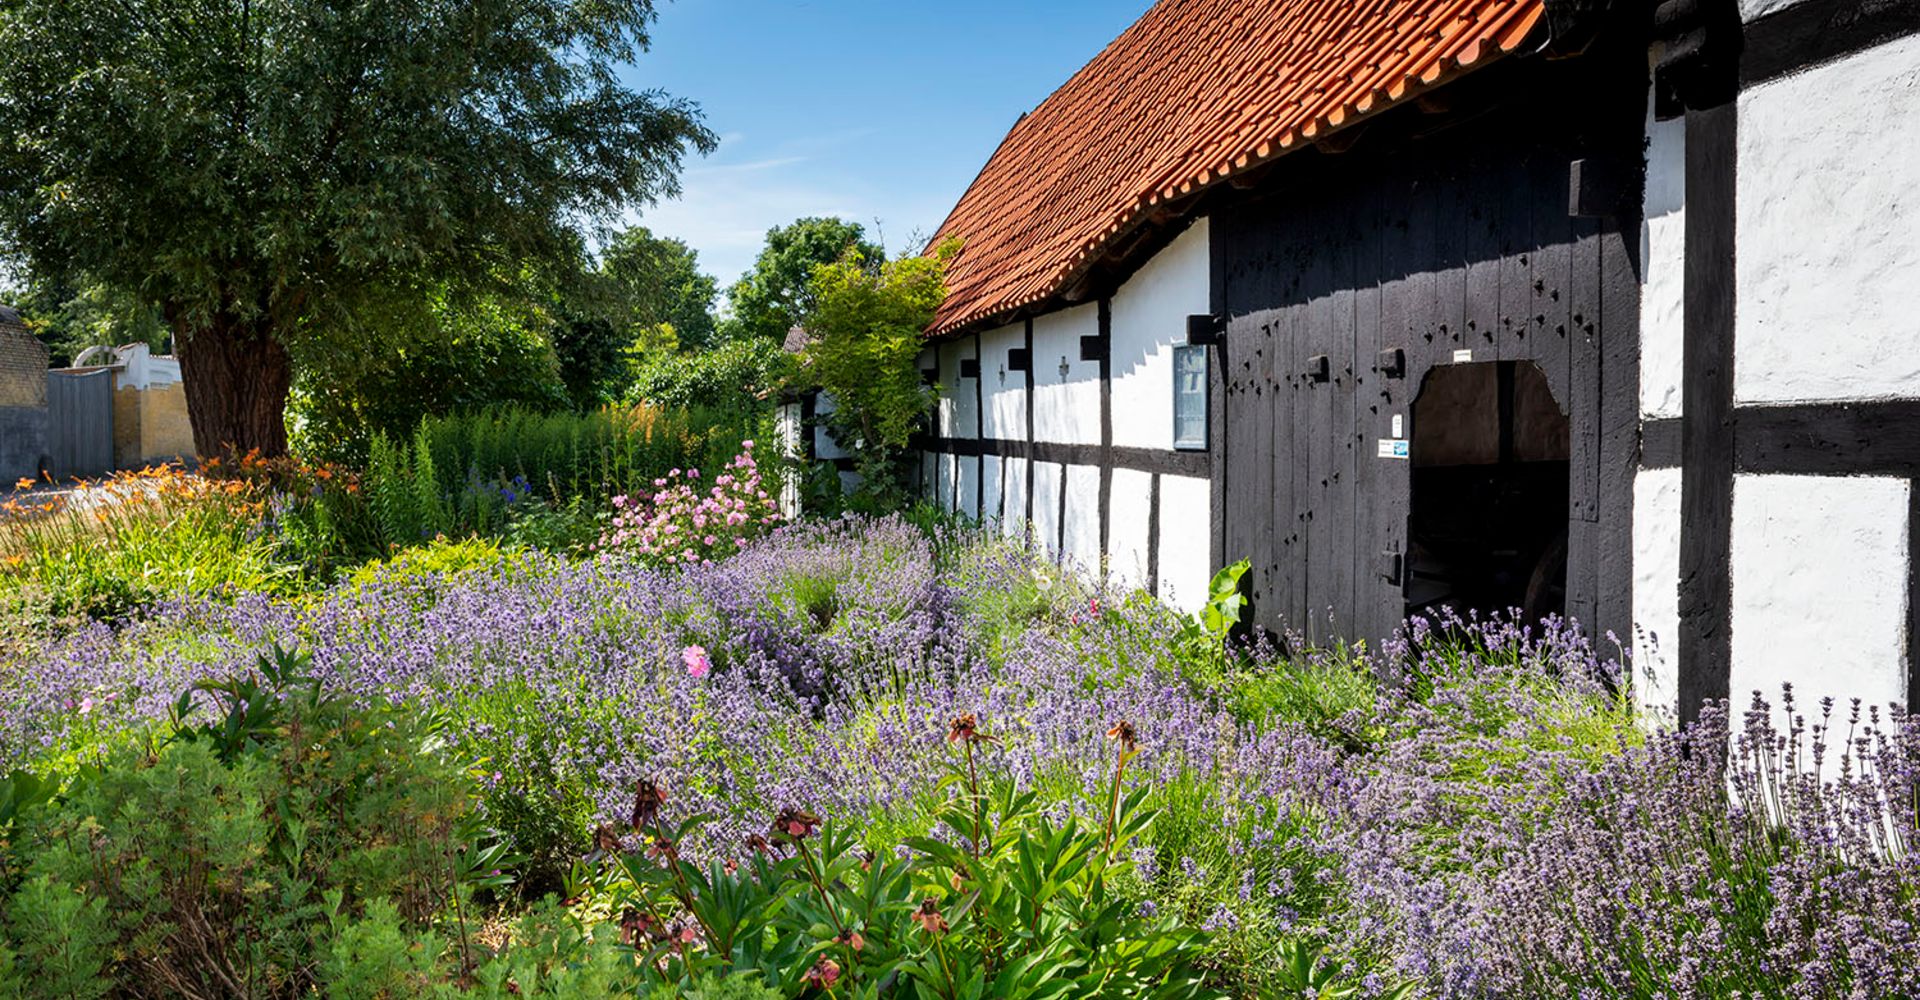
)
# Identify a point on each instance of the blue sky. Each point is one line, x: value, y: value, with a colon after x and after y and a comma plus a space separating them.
x: 864, y: 109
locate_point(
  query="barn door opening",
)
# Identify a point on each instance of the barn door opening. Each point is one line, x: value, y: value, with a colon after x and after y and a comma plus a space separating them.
x: 1487, y: 526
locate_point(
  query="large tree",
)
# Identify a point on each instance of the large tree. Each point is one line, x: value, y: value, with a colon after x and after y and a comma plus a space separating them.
x: 772, y: 298
x: 658, y: 280
x: 259, y: 169
x: 644, y: 296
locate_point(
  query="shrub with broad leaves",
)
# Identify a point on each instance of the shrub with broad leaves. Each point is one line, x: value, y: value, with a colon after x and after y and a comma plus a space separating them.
x: 682, y: 522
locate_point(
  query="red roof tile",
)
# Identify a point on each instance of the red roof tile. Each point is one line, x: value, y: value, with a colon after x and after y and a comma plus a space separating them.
x: 1193, y: 92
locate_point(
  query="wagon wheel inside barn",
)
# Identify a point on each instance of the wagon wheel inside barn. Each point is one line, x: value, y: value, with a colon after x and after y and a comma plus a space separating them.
x: 1547, y: 589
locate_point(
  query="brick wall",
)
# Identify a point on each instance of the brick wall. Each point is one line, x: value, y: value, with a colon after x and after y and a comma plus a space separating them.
x: 23, y: 403
x: 23, y: 368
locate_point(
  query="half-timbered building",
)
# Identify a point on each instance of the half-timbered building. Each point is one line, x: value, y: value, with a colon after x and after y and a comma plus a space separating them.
x: 1609, y: 310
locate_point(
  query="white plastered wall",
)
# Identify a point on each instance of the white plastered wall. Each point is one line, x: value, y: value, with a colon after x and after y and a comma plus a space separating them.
x: 1656, y: 590
x: 1149, y: 316
x: 824, y: 446
x: 1186, y: 542
x: 1828, y: 219
x: 1080, y: 536
x: 990, y: 486
x: 1663, y: 252
x: 959, y: 407
x: 966, y: 483
x: 1046, y: 506
x: 1130, y: 508
x: 1016, y: 477
x: 1754, y: 9
x: 1819, y: 589
x: 1656, y: 492
x: 1066, y: 390
x: 1004, y: 391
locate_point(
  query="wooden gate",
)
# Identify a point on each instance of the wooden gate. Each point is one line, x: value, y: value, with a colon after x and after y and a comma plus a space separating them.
x: 1362, y: 272
x: 80, y: 422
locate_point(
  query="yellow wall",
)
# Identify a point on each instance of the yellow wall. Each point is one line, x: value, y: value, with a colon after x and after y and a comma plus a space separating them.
x: 165, y: 432
x: 150, y: 425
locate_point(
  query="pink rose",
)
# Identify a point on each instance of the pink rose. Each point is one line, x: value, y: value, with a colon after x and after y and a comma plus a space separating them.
x: 695, y: 657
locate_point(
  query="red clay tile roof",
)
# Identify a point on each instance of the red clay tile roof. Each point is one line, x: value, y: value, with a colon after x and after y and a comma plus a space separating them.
x: 1193, y: 92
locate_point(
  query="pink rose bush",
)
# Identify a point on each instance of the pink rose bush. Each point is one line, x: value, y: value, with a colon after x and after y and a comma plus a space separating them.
x: 681, y: 523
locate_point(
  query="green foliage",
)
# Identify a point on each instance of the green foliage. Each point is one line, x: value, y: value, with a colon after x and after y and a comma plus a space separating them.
x: 777, y: 294
x: 1306, y: 971
x: 541, y: 477
x: 1226, y: 603
x: 865, y: 331
x: 454, y: 355
x: 438, y: 561
x: 645, y: 298
x: 138, y: 539
x: 739, y: 376
x: 1332, y: 692
x: 264, y: 171
x: 1016, y: 905
x: 220, y: 860
x: 658, y: 281
x: 70, y: 317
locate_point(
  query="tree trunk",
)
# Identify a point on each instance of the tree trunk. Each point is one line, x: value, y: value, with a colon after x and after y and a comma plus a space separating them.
x: 237, y: 377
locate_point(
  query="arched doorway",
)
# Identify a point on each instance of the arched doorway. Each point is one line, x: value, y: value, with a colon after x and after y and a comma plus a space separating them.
x: 1487, y: 525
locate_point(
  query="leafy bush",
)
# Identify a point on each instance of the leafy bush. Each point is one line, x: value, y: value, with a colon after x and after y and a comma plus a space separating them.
x: 681, y: 524
x: 865, y: 331
x: 222, y: 860
x: 739, y: 377
x: 431, y: 357
x: 1006, y: 903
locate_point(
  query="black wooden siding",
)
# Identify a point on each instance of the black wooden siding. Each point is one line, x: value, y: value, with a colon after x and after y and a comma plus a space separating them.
x: 1461, y: 239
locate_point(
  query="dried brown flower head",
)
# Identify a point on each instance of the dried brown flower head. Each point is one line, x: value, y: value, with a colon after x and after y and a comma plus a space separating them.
x: 929, y: 918
x: 851, y: 939
x: 964, y: 728
x: 824, y: 974
x: 635, y: 927
x: 648, y: 797
x: 607, y: 840
x: 795, y: 824
x: 1123, y: 731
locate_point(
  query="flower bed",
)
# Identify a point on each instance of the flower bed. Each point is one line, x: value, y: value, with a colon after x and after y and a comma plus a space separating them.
x: 1475, y: 811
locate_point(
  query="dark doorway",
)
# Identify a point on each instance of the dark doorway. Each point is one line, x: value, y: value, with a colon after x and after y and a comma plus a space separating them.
x: 1487, y: 529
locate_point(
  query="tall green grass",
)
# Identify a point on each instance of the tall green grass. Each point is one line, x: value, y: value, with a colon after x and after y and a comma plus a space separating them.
x: 118, y: 545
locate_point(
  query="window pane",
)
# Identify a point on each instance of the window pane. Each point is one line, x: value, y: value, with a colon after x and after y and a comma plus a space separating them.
x: 1189, y: 397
